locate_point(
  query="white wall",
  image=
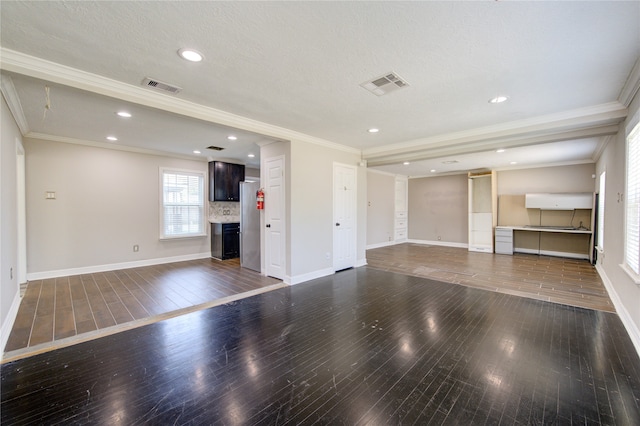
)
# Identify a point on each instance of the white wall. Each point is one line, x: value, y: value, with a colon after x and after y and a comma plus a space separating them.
x: 106, y: 201
x: 380, y: 208
x: 623, y: 291
x: 311, y: 201
x: 9, y: 290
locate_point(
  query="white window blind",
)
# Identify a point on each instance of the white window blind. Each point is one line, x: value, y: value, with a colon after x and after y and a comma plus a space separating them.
x: 600, y: 236
x: 182, y: 211
x: 632, y: 231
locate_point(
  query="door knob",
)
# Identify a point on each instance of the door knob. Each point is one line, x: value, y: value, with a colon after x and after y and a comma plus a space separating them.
x: 337, y: 224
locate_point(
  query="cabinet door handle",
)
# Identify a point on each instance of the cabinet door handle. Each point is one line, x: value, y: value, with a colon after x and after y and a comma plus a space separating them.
x: 268, y: 225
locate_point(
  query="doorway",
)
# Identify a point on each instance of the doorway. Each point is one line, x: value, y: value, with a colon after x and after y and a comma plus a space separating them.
x: 274, y: 220
x: 344, y: 216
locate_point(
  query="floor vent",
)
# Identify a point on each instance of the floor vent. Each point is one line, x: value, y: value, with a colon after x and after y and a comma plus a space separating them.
x: 215, y: 148
x: 390, y: 82
x: 160, y: 86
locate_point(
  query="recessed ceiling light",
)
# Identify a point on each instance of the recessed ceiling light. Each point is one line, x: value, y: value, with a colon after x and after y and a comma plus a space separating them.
x: 190, y: 55
x: 433, y: 170
x: 124, y: 114
x: 232, y: 138
x: 406, y: 163
x: 513, y: 162
x: 196, y: 151
x: 500, y: 150
x: 251, y: 155
x: 498, y: 99
x: 373, y: 130
x: 112, y: 138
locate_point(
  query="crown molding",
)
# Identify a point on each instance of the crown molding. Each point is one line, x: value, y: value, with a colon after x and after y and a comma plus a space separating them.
x: 382, y: 172
x: 592, y: 121
x: 32, y: 66
x: 602, y: 144
x: 513, y: 141
x: 112, y: 146
x: 505, y: 169
x: 631, y: 86
x: 13, y: 101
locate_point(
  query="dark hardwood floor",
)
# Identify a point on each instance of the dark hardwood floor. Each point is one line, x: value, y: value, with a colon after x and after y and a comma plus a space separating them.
x: 66, y: 310
x: 363, y: 346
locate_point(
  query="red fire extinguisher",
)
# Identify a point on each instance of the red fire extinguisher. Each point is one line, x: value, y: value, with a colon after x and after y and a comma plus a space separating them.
x: 260, y: 199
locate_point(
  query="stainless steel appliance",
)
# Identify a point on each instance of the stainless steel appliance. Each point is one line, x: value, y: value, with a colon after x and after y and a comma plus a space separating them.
x: 249, y: 226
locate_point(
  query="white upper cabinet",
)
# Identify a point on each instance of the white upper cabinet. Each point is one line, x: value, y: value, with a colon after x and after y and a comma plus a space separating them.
x: 559, y: 201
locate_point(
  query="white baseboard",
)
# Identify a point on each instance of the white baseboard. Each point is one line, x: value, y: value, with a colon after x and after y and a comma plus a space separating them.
x: 383, y: 244
x: 627, y: 321
x: 7, y: 325
x: 439, y: 243
x: 361, y: 262
x: 311, y: 276
x: 113, y: 266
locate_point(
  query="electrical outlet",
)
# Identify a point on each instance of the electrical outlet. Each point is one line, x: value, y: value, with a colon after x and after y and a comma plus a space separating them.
x: 136, y: 248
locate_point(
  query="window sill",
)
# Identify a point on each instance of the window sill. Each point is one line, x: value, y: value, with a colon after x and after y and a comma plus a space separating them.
x: 634, y: 277
x: 181, y: 237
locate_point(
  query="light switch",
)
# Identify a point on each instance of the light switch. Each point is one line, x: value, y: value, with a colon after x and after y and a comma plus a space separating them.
x: 50, y: 195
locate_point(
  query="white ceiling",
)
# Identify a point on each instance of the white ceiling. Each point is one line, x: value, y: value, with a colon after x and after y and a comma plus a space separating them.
x: 292, y: 70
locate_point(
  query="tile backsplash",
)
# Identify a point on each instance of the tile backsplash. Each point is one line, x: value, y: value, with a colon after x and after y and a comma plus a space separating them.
x: 222, y: 209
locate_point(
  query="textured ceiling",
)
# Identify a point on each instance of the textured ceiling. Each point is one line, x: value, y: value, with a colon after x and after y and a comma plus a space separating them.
x: 299, y: 66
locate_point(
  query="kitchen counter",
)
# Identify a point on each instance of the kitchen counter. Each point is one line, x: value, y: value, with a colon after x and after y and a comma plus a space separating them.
x: 224, y: 219
x: 563, y: 241
x: 564, y: 230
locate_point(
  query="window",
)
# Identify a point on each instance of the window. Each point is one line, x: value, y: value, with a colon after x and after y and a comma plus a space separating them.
x: 600, y: 207
x: 632, y: 220
x: 182, y: 198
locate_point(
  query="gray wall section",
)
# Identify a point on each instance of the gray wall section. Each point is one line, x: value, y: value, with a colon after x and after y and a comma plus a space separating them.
x: 574, y: 178
x: 438, y: 209
x: 380, y: 207
x: 8, y: 213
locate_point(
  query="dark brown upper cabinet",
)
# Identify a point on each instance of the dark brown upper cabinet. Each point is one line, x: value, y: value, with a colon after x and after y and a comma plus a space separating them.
x: 224, y: 181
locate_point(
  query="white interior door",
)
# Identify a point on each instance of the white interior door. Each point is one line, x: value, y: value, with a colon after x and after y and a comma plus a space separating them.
x: 344, y: 216
x: 274, y: 218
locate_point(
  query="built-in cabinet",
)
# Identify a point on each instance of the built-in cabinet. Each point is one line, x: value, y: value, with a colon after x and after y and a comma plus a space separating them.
x: 225, y: 240
x: 224, y: 181
x: 401, y: 206
x: 483, y: 206
x: 551, y: 224
x: 504, y: 240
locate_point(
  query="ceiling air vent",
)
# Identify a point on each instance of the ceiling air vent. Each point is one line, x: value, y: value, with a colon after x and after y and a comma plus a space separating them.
x: 390, y: 82
x: 160, y: 86
x: 215, y: 148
